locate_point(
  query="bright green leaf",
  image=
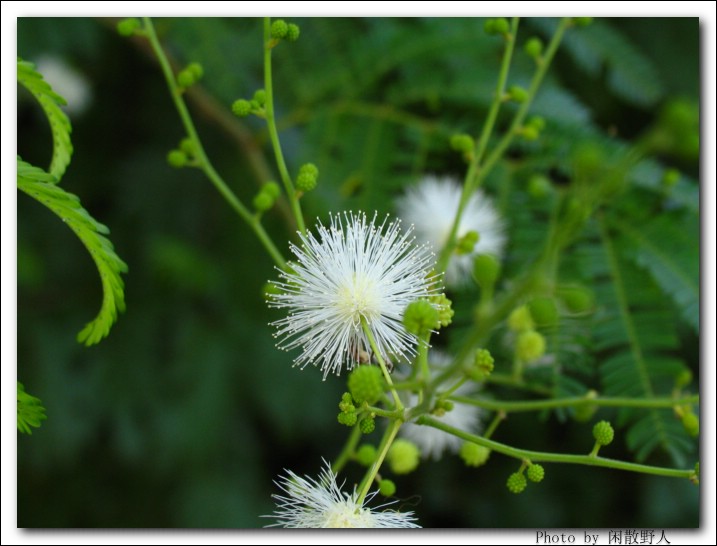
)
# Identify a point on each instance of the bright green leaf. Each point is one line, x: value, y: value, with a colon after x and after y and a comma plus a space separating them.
x: 30, y: 411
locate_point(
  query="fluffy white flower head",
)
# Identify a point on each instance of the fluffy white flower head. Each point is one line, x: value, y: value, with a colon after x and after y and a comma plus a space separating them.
x: 354, y: 271
x: 431, y: 207
x: 433, y: 442
x: 316, y: 504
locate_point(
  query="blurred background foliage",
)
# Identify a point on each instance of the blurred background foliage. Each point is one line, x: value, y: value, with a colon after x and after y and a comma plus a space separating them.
x: 185, y: 414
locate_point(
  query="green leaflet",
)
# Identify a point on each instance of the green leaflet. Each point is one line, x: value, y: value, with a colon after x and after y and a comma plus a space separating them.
x: 30, y: 412
x: 43, y: 187
x: 59, y: 122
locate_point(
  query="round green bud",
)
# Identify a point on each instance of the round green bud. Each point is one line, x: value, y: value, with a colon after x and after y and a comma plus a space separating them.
x: 305, y: 182
x: 670, y: 177
x: 309, y: 168
x: 348, y: 418
x: 582, y: 21
x: 683, y: 378
x: 543, y: 310
x: 484, y: 361
x: 536, y: 121
x: 534, y: 47
x: 520, y: 319
x: 467, y: 243
x: 263, y: 201
x: 535, y: 473
x: 489, y: 27
x: 517, y: 93
x: 186, y: 78
x: 271, y: 188
x: 127, y: 27
x: 539, y: 186
x: 177, y: 158
x: 279, y: 29
x: 584, y: 412
x: 366, y: 384
x: 474, y: 454
x: 241, y: 108
x: 187, y: 146
x: 516, y: 482
x: 196, y: 70
x: 365, y: 454
x: 367, y: 425
x: 387, y: 488
x: 528, y: 132
x: 260, y: 97
x: 501, y: 25
x: 691, y: 423
x: 445, y: 312
x: 462, y: 143
x: 577, y: 299
x: 603, y: 433
x: 486, y: 271
x: 403, y: 457
x: 293, y: 32
x: 530, y: 346
x: 420, y: 317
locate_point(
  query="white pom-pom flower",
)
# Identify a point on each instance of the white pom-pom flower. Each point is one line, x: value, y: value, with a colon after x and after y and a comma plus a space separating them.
x: 433, y: 442
x: 353, y: 272
x: 431, y: 207
x: 317, y: 504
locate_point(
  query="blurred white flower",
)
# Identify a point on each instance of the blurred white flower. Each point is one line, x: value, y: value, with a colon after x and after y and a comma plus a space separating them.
x: 67, y: 82
x: 317, y: 504
x: 431, y: 441
x: 355, y: 271
x: 431, y: 206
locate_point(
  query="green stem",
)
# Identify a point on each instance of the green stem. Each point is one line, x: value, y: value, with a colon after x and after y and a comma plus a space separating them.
x: 381, y: 363
x: 540, y: 456
x: 470, y: 183
x: 203, y: 161
x: 497, y: 420
x: 348, y: 450
x: 386, y: 442
x: 273, y: 133
x: 536, y: 405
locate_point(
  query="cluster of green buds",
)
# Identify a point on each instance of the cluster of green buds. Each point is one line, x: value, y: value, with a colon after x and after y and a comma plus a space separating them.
x: 532, y: 128
x: 467, y: 242
x: 444, y: 308
x: 130, y: 26
x: 190, y: 75
x: 307, y: 177
x: 530, y: 344
x: 243, y: 107
x: 266, y: 197
x: 481, y: 367
x: 464, y: 144
x: 184, y: 155
x: 421, y: 317
x: 518, y: 481
x: 281, y: 30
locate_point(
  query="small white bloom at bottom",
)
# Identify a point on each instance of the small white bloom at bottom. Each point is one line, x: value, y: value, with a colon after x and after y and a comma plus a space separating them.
x: 319, y: 504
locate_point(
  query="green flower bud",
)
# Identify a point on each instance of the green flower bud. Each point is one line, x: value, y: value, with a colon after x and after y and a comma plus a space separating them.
x: 603, y: 433
x: 539, y: 186
x: 445, y: 312
x: 535, y: 473
x: 279, y: 29
x: 577, y: 299
x: 670, y: 177
x: 534, y: 47
x: 420, y: 317
x: 497, y: 26
x: 520, y: 319
x: 683, y: 379
x: 536, y: 121
x: 260, y: 97
x: 543, y: 311
x: 387, y: 488
x: 196, y: 70
x: 474, y: 454
x: 691, y: 423
x: 484, y: 361
x: 528, y: 132
x: 582, y: 21
x: 366, y: 384
x: 462, y: 143
x: 530, y: 346
x: 403, y: 457
x: 187, y: 146
x: 186, y: 78
x: 177, y: 158
x: 516, y: 482
x: 366, y: 454
x: 271, y: 188
x: 467, y: 243
x: 292, y: 33
x: 127, y: 27
x: 349, y: 419
x: 241, y: 108
x: 367, y: 425
x: 584, y: 412
x: 306, y: 179
x: 263, y: 201
x: 486, y: 271
x: 517, y: 93
x: 489, y: 27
